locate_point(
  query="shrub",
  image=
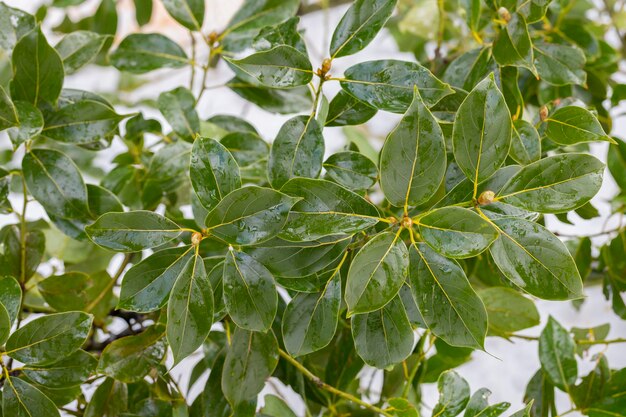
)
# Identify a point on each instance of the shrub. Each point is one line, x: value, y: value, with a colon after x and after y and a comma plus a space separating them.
x: 280, y: 261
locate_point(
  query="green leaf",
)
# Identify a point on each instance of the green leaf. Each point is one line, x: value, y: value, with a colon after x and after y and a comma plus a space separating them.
x: 508, y: 310
x: 250, y: 360
x: 38, y: 70
x: 557, y: 352
x: 8, y: 113
x: 143, y: 11
x: 540, y: 396
x: 445, y: 299
x: 249, y: 215
x: 533, y: 10
x: 478, y: 405
x: 345, y: 110
x: 524, y: 412
x: 592, y: 386
x: 376, y: 273
x: 359, y: 26
x: 31, y: 123
x: 556, y: 184
x: 310, y: 320
x: 252, y: 16
x: 55, y: 181
x: 109, y: 399
x: 572, y: 124
x: 139, y: 53
x: 469, y: 68
x: 513, y: 45
x: 273, y: 100
x: 285, y: 33
x: 383, y: 337
x: 298, y: 259
x: 525, y: 143
x: 249, y: 292
x: 454, y: 394
x: 49, y: 338
x: 389, y: 84
x: 481, y: 136
x: 5, y: 324
x: 78, y: 291
x: 246, y: 147
x: 16, y: 262
x: 616, y: 162
x: 132, y: 231
x: 69, y: 372
x: 189, y: 310
x: 325, y: 209
x: 535, y: 260
x: 79, y: 48
x: 560, y: 64
x: 274, y: 406
x: 178, y: 107
x: 413, y: 158
x: 14, y: 24
x: 81, y: 118
x: 147, y: 285
x: 280, y: 67
x: 22, y: 399
x: 352, y: 170
x: 297, y: 151
x: 402, y: 407
x: 189, y: 13
x: 457, y: 232
x: 213, y: 171
x: 10, y: 296
x: 131, y: 358
x: 613, y: 403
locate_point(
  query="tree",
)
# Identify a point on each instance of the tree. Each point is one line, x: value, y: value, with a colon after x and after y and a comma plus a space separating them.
x: 293, y: 264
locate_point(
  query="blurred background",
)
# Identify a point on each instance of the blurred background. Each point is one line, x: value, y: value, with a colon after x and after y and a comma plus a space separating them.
x: 507, y: 366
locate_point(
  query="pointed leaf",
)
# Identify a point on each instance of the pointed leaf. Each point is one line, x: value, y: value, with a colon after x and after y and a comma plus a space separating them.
x: 139, y: 53
x: 388, y: 84
x: 376, y: 273
x: 359, y: 26
x: 345, y: 110
x: 352, y: 170
x: 481, y: 136
x: 14, y: 24
x: 478, y: 405
x: 535, y: 260
x: 10, y: 296
x: 31, y: 123
x: 21, y: 399
x: 557, y: 352
x: 508, y: 310
x: 213, y: 171
x: 560, y: 64
x: 513, y: 45
x: 413, y: 158
x: 189, y: 13
x: 8, y: 114
x: 249, y: 292
x: 444, y: 297
x: 79, y: 48
x: 572, y: 124
x: 525, y: 143
x: 325, y: 209
x: 297, y: 151
x: 178, y: 107
x: 454, y: 394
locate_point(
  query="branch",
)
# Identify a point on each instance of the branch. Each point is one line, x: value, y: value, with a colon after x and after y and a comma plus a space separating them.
x: 321, y: 384
x: 316, y: 7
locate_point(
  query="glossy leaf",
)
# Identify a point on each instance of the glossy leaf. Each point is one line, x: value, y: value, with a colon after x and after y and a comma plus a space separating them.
x: 413, y: 158
x: 139, y: 53
x: 79, y: 48
x: 555, y: 184
x: 5, y: 324
x: 249, y: 215
x: 454, y: 394
x: 535, y: 260
x: 249, y: 292
x: 376, y: 273
x: 345, y: 110
x: 273, y: 100
x: 297, y: 151
x: 457, y: 232
x: 147, y: 285
x: 14, y: 24
x: 130, y: 358
x: 310, y: 320
x: 560, y: 64
x: 513, y: 45
x: 213, y: 171
x: 383, y: 337
x: 8, y: 113
x: 250, y: 360
x: 21, y: 399
x: 358, y: 27
x: 31, y: 123
x: 49, y: 338
x: 557, y: 355
x: 482, y: 132
x: 189, y: 310
x: 55, y: 181
x: 572, y: 124
x: 189, y: 13
x: 178, y: 107
x: 388, y: 84
x: 325, y: 209
x: 525, y: 143
x: 69, y: 372
x: 351, y: 170
x: 110, y: 398
x: 10, y: 296
x: 38, y: 70
x: 478, y: 405
x: 445, y: 299
x: 508, y: 310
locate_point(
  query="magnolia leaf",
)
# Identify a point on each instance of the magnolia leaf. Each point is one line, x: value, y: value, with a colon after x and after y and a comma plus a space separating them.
x: 572, y: 124
x: 22, y: 399
x: 352, y: 170
x: 376, y: 273
x: 454, y: 394
x: 560, y: 64
x: 508, y: 311
x: 413, y: 158
x: 525, y: 143
x: 71, y: 371
x: 79, y: 48
x: 557, y: 352
x: 139, y: 53
x: 345, y: 110
x: 178, y: 107
x: 513, y: 45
